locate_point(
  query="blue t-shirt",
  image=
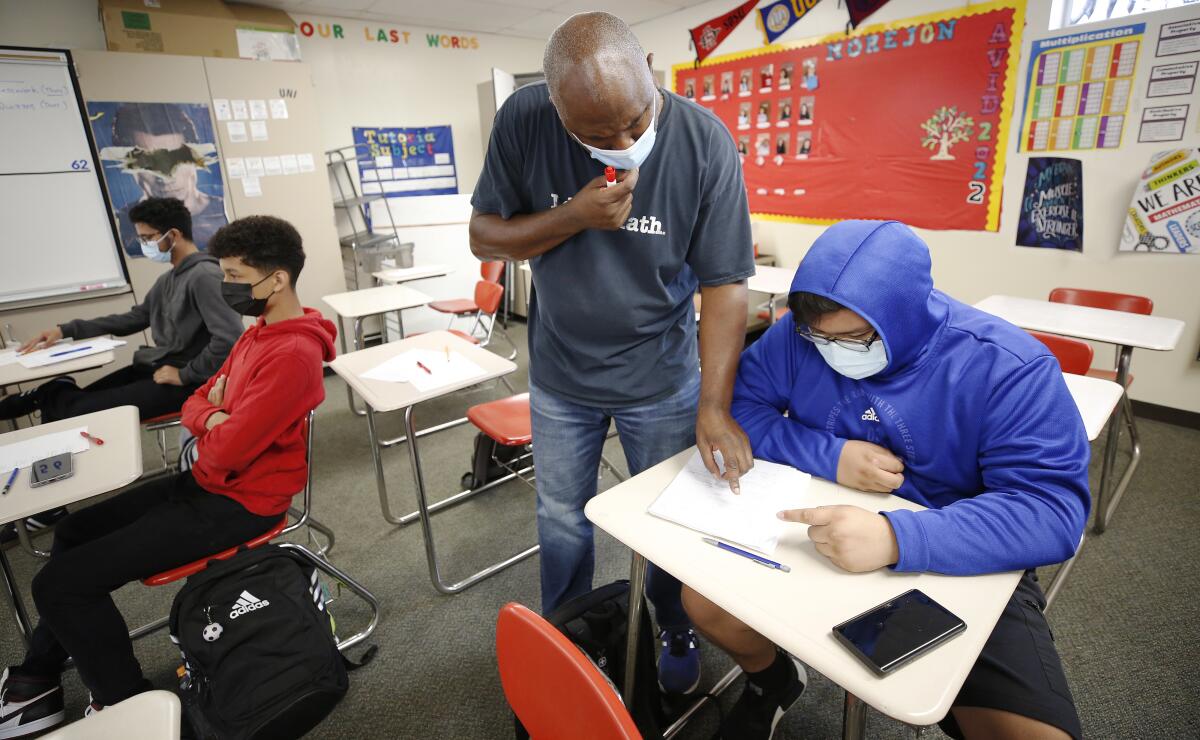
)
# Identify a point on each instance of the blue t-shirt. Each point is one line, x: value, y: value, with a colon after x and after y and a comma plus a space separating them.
x: 611, y: 321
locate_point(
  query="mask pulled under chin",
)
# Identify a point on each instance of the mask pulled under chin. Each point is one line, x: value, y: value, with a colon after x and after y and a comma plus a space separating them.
x: 633, y: 157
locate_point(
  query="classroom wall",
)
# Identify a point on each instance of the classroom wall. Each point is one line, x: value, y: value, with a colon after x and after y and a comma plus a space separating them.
x: 374, y: 83
x: 972, y: 265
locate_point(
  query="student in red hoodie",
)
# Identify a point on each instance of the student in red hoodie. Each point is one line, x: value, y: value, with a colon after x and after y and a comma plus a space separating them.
x: 249, y: 419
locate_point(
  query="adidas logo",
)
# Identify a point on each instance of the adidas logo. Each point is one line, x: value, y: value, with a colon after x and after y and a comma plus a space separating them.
x: 869, y: 415
x: 247, y: 603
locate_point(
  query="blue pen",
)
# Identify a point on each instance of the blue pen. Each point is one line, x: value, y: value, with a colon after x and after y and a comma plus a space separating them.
x: 746, y: 554
x: 11, y: 479
x: 69, y: 351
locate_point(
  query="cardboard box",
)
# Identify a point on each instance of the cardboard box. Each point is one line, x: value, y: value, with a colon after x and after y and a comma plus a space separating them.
x: 206, y: 28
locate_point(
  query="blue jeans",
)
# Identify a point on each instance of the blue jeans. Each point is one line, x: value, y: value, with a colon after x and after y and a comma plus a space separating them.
x: 568, y: 438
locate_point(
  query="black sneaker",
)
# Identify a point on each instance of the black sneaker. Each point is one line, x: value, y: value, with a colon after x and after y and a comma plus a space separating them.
x: 19, y: 404
x: 756, y: 713
x: 28, y: 704
x: 35, y: 524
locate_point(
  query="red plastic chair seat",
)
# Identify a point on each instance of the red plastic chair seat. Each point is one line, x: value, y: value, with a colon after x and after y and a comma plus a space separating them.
x: 780, y: 313
x: 191, y: 569
x: 1099, y: 372
x: 456, y: 306
x: 552, y: 687
x: 506, y: 420
x: 1074, y: 356
x: 172, y: 418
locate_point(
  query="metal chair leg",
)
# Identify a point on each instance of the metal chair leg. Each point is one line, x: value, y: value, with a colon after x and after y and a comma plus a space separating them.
x: 27, y: 541
x: 1134, y: 458
x: 357, y: 588
x: 854, y: 718
x: 20, y: 613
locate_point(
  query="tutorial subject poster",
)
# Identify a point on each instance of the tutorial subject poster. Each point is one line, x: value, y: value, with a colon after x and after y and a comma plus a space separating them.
x: 906, y: 120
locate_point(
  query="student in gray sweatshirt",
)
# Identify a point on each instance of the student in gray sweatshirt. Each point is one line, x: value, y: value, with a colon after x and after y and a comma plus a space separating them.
x: 192, y: 327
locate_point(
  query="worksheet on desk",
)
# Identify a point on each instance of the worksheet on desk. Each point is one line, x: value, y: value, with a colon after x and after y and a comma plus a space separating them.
x: 697, y: 500
x: 26, y: 452
x: 66, y: 351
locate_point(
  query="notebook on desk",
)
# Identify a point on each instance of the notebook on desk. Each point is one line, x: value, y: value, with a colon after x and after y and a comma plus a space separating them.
x: 698, y: 501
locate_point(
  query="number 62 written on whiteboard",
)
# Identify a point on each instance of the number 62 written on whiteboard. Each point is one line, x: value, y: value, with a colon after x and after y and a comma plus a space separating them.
x: 977, y: 191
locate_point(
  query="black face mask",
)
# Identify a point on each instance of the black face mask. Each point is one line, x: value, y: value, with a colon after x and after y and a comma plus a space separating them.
x: 240, y: 297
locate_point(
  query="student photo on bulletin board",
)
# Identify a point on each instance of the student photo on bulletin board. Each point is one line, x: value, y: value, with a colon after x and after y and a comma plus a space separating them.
x: 806, y: 111
x: 160, y: 150
x: 785, y: 76
x: 803, y: 145
x: 743, y: 116
x: 785, y: 114
x: 744, y: 84
x: 764, y: 114
x: 726, y: 85
x: 689, y: 89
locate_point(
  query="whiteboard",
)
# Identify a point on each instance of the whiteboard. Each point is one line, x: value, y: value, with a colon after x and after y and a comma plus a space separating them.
x: 57, y: 237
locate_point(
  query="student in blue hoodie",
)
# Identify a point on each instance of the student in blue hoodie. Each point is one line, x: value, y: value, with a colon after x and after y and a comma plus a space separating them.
x: 889, y: 385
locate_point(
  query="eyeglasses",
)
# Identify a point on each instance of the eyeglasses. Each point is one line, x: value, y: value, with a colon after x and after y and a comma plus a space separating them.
x: 854, y: 345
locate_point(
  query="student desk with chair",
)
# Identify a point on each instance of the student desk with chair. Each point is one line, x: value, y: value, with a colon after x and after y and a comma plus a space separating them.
x: 14, y: 373
x: 360, y: 304
x: 1124, y: 329
x: 383, y: 396
x: 399, y: 275
x: 102, y: 468
x: 797, y: 610
x: 775, y: 282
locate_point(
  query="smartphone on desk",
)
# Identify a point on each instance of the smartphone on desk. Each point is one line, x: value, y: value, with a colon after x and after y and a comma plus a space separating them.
x: 898, y: 631
x: 50, y: 469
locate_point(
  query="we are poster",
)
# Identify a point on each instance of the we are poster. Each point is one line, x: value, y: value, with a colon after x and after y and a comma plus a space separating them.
x: 906, y: 120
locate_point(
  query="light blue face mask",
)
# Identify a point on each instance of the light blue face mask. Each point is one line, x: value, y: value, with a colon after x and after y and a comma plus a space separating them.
x: 631, y: 158
x: 855, y: 365
x: 151, y: 252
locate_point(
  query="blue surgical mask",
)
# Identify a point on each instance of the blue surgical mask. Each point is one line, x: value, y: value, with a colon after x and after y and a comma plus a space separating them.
x: 631, y: 158
x: 855, y: 365
x: 151, y: 252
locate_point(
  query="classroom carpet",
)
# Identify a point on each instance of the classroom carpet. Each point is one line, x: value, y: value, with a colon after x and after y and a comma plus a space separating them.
x: 1126, y: 623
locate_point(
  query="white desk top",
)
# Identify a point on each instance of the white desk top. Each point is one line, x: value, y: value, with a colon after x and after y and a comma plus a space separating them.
x: 371, y: 301
x: 15, y: 373
x: 153, y: 715
x: 773, y: 280
x: 405, y: 274
x: 103, y: 468
x: 798, y: 610
x: 1096, y: 399
x: 1101, y: 325
x: 387, y: 396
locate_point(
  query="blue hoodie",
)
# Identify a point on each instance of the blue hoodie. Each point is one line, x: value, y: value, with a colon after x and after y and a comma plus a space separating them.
x: 977, y: 409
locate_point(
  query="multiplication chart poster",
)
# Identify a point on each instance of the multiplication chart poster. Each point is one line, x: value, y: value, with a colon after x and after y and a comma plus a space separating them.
x: 1078, y: 89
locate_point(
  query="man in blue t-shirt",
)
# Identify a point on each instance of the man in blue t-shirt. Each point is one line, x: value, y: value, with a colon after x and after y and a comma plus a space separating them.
x: 885, y: 384
x: 612, y: 331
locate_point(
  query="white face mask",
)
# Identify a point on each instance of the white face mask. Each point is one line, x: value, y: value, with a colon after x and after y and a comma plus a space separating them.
x: 150, y: 249
x: 631, y: 158
x: 855, y: 365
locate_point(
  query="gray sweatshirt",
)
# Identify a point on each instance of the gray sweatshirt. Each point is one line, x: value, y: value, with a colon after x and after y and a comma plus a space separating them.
x: 192, y: 327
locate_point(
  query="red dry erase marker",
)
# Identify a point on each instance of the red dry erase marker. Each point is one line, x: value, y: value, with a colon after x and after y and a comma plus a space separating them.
x: 610, y: 177
x: 422, y: 366
x: 91, y: 438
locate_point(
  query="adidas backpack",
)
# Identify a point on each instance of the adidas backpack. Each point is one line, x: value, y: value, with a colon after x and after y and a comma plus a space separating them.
x: 260, y: 659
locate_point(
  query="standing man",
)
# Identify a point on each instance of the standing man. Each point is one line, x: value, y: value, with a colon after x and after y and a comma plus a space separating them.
x: 612, y: 333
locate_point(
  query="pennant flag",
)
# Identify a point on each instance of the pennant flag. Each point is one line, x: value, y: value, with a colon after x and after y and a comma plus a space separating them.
x: 860, y: 9
x: 707, y: 36
x: 779, y: 16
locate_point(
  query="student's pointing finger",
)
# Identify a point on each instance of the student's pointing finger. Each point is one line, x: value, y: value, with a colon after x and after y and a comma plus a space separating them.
x: 819, y: 515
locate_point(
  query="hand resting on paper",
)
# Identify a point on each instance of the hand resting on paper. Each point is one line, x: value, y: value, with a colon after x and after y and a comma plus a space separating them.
x: 41, y: 341
x: 853, y: 538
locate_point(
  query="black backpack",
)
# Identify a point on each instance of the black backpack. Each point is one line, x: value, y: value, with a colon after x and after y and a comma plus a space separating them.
x: 598, y: 623
x: 486, y: 461
x: 259, y: 653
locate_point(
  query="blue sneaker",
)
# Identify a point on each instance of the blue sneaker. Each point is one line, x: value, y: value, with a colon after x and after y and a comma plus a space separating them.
x: 678, y: 661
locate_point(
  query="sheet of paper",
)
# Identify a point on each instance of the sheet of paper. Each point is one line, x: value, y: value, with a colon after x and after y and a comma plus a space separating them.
x: 278, y: 108
x: 403, y: 368
x: 252, y: 187
x: 65, y: 352
x: 272, y: 165
x: 258, y: 110
x: 306, y: 162
x: 25, y: 453
x: 240, y: 110
x: 290, y: 165
x: 254, y: 167
x: 237, y: 131
x: 8, y: 357
x: 236, y: 167
x: 222, y: 108
x: 698, y: 501
x: 258, y: 130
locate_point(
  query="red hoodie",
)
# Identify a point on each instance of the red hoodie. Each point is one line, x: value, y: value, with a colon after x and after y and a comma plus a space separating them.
x: 273, y: 378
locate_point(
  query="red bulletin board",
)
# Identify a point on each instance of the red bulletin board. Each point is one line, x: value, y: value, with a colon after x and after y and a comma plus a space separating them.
x: 906, y: 121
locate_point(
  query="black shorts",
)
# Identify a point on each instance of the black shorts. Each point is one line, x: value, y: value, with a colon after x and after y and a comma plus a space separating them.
x: 1019, y: 670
